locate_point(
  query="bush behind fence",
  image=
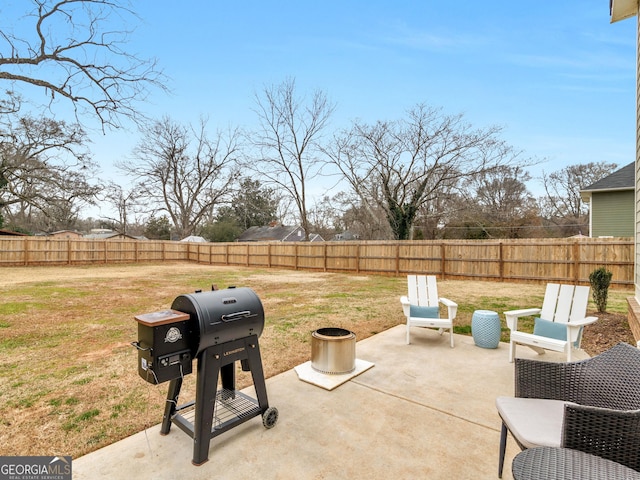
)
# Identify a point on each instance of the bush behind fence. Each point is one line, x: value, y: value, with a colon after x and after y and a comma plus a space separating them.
x: 524, y: 260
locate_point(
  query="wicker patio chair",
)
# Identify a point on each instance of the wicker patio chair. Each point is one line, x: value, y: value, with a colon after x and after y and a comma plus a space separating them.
x: 591, y: 405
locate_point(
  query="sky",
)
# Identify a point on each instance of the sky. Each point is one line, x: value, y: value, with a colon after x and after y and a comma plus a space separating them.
x: 558, y: 77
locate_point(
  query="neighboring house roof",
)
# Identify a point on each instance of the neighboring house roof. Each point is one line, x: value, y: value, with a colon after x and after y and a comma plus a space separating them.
x: 194, y: 238
x: 279, y: 233
x: 12, y: 233
x: 346, y: 235
x: 276, y: 233
x: 611, y: 212
x: 620, y: 180
x: 65, y: 233
x: 107, y: 236
x: 623, y: 179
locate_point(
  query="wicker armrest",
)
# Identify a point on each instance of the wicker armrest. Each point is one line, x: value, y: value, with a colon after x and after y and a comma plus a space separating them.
x: 553, y: 381
x: 607, y: 433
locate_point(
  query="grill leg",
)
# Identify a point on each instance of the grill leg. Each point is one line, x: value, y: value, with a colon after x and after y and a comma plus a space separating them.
x: 206, y: 389
x: 219, y: 362
x: 170, y: 406
x: 255, y: 363
x: 228, y: 376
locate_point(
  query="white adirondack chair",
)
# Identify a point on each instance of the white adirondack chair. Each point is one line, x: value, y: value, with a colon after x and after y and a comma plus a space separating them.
x: 422, y: 306
x: 561, y: 320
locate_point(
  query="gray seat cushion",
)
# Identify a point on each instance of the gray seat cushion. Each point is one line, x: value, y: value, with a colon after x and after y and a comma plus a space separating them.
x: 534, y: 422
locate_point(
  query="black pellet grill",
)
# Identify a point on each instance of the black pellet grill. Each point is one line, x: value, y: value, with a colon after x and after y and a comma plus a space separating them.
x: 218, y: 328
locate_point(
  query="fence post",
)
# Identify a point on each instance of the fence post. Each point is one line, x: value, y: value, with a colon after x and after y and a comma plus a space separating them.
x: 501, y: 262
x: 576, y: 262
x: 26, y: 252
x: 398, y: 260
x: 68, y: 251
x: 325, y: 256
x: 443, y: 260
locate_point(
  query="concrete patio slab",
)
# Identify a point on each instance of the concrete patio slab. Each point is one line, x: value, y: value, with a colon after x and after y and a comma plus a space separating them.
x: 424, y: 411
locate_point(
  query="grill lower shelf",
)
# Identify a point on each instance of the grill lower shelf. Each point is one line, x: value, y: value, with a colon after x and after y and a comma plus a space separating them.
x: 231, y: 408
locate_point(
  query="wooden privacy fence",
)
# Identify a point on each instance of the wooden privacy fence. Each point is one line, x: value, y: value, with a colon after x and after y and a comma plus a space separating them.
x: 527, y: 260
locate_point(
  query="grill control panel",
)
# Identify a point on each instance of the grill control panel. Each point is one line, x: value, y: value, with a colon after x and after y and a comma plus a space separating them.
x: 174, y: 358
x: 163, y: 346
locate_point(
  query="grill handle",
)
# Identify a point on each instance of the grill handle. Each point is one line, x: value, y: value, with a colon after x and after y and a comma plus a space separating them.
x: 140, y: 347
x: 230, y: 317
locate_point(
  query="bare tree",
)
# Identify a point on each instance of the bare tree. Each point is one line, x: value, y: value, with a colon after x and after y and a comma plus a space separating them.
x: 75, y: 50
x: 45, y: 168
x: 434, y: 215
x: 125, y: 202
x: 400, y: 166
x: 184, y: 172
x: 288, y: 141
x: 359, y: 220
x: 324, y: 217
x: 497, y: 204
x: 562, y: 203
x: 11, y: 103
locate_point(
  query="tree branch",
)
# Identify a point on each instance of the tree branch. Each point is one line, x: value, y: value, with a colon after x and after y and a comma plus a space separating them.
x: 70, y: 54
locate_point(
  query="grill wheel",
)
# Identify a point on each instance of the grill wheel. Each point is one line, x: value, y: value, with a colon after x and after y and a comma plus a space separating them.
x: 270, y: 417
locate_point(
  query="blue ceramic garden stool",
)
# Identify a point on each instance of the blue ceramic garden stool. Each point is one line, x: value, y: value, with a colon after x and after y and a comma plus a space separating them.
x: 485, y: 328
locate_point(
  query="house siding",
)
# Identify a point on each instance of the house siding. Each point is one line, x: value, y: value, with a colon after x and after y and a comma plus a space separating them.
x: 612, y: 214
x: 637, y: 192
x: 633, y: 303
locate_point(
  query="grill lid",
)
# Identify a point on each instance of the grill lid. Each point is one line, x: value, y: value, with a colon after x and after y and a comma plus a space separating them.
x: 221, y: 316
